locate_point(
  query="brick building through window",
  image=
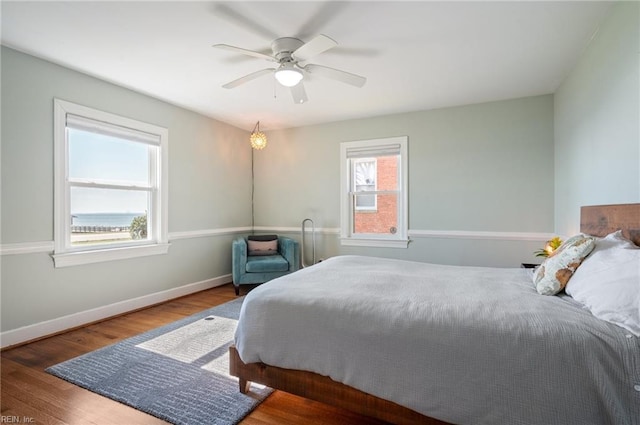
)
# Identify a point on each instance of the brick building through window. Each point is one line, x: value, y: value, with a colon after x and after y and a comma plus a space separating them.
x: 377, y: 213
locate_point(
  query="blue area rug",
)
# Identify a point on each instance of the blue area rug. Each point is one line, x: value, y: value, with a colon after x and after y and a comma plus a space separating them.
x: 178, y: 372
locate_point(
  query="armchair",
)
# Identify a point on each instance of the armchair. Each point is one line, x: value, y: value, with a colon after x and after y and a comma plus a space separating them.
x: 247, y: 269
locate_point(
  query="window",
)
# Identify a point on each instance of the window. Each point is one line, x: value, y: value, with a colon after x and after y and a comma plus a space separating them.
x: 110, y: 186
x: 374, y: 192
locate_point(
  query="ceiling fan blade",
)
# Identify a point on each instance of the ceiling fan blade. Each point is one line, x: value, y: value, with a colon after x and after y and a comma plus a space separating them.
x: 240, y: 19
x: 299, y: 93
x: 317, y: 45
x: 336, y: 74
x: 325, y: 13
x: 248, y: 77
x: 245, y: 52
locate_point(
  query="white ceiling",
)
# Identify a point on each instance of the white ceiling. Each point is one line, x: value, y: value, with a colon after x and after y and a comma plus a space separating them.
x: 416, y: 55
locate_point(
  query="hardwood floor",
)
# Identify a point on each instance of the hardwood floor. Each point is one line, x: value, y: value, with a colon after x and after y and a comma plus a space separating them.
x: 30, y: 395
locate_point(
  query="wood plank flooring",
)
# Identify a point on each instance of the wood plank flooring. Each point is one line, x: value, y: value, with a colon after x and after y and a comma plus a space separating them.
x: 30, y: 395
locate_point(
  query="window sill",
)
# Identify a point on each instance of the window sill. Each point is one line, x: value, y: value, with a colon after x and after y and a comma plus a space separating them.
x: 375, y: 243
x: 69, y: 259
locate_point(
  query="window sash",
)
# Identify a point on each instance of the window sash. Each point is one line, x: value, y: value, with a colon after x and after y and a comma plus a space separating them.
x: 127, y: 135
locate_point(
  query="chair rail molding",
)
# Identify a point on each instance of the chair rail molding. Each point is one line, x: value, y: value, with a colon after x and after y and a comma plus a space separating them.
x: 474, y: 234
x: 26, y: 247
x: 208, y: 232
x: 281, y: 229
x: 47, y: 246
x: 418, y: 233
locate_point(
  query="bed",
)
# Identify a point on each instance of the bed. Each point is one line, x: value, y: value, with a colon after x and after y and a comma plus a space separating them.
x: 465, y: 345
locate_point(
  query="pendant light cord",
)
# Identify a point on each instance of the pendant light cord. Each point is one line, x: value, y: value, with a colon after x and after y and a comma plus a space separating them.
x: 252, y: 194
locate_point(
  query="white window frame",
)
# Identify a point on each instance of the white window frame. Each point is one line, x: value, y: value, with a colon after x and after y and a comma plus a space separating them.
x: 65, y: 254
x: 347, y: 236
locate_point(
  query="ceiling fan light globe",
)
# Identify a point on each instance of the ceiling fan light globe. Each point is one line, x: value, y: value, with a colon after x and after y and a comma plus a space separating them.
x: 288, y: 77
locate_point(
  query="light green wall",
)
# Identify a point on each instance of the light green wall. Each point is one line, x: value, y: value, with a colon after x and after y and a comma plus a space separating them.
x: 597, y: 122
x: 485, y: 167
x: 209, y: 188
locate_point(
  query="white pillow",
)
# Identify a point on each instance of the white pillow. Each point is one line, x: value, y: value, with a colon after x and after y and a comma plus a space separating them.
x: 613, y: 240
x: 608, y: 282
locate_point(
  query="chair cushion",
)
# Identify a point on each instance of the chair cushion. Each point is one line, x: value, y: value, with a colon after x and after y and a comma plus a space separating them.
x: 267, y: 263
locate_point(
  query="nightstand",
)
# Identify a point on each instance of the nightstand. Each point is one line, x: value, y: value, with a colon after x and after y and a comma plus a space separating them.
x: 529, y: 265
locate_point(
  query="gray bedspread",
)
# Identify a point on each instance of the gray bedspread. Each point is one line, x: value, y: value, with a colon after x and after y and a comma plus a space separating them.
x: 466, y: 345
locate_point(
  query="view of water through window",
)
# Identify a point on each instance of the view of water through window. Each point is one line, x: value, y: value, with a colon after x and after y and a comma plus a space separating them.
x: 102, y: 170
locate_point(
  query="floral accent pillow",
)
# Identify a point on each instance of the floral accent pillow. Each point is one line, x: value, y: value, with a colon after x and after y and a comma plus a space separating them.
x: 554, y: 273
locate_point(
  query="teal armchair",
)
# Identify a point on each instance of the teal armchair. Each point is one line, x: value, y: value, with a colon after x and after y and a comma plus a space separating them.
x: 249, y: 269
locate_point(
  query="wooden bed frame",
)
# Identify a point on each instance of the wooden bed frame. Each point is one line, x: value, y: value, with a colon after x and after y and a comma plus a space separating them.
x: 322, y: 388
x: 599, y: 220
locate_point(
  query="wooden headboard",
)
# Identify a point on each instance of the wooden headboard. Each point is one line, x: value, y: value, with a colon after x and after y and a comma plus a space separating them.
x: 600, y: 220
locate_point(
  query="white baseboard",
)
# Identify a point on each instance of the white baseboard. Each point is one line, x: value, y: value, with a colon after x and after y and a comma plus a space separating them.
x: 53, y: 326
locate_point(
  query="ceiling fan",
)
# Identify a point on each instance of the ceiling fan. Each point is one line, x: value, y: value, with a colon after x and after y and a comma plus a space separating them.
x: 290, y: 54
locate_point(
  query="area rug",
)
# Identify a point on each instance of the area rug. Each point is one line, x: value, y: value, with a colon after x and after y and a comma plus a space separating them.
x: 178, y: 372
